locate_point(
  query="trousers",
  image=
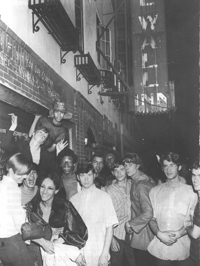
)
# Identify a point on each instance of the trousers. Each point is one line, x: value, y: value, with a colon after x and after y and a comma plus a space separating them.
x: 186, y: 262
x: 144, y: 258
x: 14, y: 252
x: 125, y: 256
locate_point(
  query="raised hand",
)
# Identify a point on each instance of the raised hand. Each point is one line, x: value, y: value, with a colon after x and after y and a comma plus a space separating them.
x: 60, y: 146
x: 14, y: 119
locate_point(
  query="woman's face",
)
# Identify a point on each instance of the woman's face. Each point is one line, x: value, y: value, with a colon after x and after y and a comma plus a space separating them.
x: 47, y: 190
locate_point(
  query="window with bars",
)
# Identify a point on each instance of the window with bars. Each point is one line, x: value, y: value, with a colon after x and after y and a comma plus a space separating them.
x: 79, y: 21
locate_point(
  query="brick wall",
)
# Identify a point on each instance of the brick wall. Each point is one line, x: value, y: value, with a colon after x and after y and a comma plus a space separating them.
x: 25, y: 73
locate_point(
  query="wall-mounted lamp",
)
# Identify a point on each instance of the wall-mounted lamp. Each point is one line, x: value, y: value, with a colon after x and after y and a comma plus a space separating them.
x: 86, y: 140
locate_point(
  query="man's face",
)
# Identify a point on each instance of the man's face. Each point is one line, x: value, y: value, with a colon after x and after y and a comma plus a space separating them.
x: 119, y: 173
x: 18, y: 178
x: 40, y: 136
x: 196, y: 178
x: 97, y: 164
x: 110, y: 160
x: 131, y: 168
x: 67, y: 164
x: 31, y: 179
x: 58, y: 115
x: 170, y: 169
x: 87, y: 179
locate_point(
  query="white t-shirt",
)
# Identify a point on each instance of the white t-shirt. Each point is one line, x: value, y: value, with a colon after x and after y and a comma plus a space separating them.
x: 98, y: 213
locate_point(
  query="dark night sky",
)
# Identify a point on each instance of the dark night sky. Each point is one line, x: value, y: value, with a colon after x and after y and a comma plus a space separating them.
x: 182, y: 31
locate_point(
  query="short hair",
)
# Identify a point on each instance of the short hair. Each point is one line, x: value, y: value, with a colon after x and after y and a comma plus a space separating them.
x: 84, y: 168
x: 55, y: 178
x: 133, y: 158
x: 19, y: 164
x: 97, y: 154
x: 196, y: 164
x: 35, y: 167
x: 114, y: 152
x: 43, y: 129
x: 170, y: 157
x: 117, y: 164
x: 67, y: 152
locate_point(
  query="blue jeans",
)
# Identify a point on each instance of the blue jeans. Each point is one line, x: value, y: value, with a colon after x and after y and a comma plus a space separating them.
x: 14, y: 252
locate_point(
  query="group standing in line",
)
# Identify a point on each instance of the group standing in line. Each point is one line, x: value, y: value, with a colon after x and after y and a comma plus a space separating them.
x: 117, y: 214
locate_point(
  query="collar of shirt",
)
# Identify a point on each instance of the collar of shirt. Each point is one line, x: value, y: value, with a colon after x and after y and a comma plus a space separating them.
x: 88, y: 191
x: 125, y: 189
x: 175, y: 188
x: 8, y: 179
x: 139, y: 176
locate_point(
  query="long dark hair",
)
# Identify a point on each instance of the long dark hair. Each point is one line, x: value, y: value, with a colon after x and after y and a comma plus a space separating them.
x: 37, y: 199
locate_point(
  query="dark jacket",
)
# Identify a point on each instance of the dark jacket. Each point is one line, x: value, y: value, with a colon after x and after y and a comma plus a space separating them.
x: 63, y: 214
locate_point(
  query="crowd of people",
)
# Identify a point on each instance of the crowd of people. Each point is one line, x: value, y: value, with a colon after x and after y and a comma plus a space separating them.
x: 107, y: 211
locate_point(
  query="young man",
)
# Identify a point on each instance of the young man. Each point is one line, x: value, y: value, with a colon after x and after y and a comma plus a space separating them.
x: 141, y: 210
x: 54, y: 125
x: 67, y: 161
x: 29, y: 187
x: 194, y: 231
x: 13, y: 250
x: 121, y: 252
x: 97, y: 211
x: 98, y: 166
x: 172, y: 202
x: 110, y: 157
x: 33, y: 148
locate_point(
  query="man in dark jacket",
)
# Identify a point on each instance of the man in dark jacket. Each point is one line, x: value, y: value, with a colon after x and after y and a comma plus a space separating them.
x: 141, y: 210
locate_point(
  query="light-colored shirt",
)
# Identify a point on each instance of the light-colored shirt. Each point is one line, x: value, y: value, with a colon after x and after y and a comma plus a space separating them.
x: 98, y: 213
x: 12, y: 213
x: 171, y: 208
x: 121, y: 200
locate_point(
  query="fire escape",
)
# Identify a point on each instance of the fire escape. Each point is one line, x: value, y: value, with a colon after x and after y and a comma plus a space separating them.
x: 117, y: 79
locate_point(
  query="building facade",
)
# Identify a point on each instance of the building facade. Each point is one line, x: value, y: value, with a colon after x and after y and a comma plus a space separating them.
x: 65, y: 50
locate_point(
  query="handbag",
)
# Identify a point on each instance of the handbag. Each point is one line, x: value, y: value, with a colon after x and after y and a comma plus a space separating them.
x: 35, y: 228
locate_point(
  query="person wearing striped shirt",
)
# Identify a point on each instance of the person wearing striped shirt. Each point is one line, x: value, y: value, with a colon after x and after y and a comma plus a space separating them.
x: 119, y: 190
